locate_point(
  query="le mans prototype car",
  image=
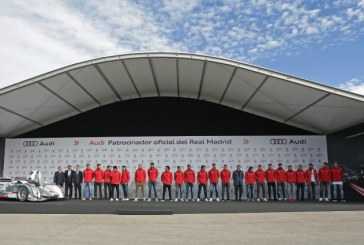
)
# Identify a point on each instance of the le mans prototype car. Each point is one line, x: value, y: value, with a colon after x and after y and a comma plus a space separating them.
x: 29, y: 189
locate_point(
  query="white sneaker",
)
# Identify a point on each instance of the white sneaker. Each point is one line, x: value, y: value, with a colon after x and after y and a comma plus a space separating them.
x: 217, y: 200
x: 111, y: 200
x: 162, y: 200
x: 176, y: 200
x: 136, y: 199
x: 210, y: 200
x: 285, y: 199
x: 206, y: 200
x: 198, y: 199
x: 149, y: 200
x: 116, y: 199
x: 126, y: 199
x: 157, y: 200
x: 327, y: 200
x: 258, y: 200
x: 144, y: 199
x: 83, y: 199
x: 265, y: 199
x: 320, y: 200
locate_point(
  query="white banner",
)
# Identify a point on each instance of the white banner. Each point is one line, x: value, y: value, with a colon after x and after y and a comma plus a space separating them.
x: 46, y: 154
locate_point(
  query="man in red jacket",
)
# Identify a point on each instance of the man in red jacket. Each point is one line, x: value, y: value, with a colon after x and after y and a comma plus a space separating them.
x: 214, y: 180
x: 115, y: 182
x: 88, y: 176
x: 167, y: 179
x: 140, y: 177
x: 178, y: 180
x: 300, y: 180
x: 312, y: 179
x: 291, y: 182
x: 202, y: 178
x: 250, y: 181
x: 107, y: 182
x: 189, y: 179
x: 325, y: 179
x: 125, y: 178
x: 281, y: 182
x: 260, y: 177
x: 225, y: 176
x: 337, y: 191
x: 99, y: 180
x: 152, y: 182
x: 270, y: 174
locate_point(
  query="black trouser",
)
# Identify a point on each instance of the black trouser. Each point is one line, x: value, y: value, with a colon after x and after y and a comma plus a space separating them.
x: 68, y: 190
x: 300, y: 191
x: 311, y: 191
x: 107, y: 190
x: 125, y: 188
x: 281, y: 190
x: 165, y: 188
x: 238, y: 189
x: 250, y: 191
x: 113, y: 188
x: 225, y: 188
x: 260, y: 188
x: 78, y: 191
x: 324, y: 189
x: 272, y: 191
x: 97, y: 186
x: 189, y: 188
x: 204, y: 188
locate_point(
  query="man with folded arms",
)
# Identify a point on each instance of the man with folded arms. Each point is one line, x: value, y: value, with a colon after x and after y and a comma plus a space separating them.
x: 167, y: 178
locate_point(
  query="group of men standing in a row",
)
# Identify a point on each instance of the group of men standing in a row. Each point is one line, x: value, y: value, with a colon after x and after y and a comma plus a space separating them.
x: 280, y: 183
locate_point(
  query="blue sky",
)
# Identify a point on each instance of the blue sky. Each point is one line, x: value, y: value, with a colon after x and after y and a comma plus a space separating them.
x: 318, y: 40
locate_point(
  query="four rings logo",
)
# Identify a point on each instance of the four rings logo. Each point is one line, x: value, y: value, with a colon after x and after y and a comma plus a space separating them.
x: 30, y: 143
x: 278, y: 141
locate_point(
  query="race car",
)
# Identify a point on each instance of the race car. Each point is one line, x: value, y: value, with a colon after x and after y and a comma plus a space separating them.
x: 29, y: 189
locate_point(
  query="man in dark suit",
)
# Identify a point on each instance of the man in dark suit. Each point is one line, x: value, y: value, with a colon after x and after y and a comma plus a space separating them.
x: 77, y: 181
x: 68, y: 174
x: 58, y: 177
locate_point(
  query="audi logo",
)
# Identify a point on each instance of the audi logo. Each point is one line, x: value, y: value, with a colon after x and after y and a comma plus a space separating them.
x: 278, y: 141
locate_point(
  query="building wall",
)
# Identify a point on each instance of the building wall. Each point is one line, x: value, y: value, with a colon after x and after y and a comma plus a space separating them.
x: 164, y: 117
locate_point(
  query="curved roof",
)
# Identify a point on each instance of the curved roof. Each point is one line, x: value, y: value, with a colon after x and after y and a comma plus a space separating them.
x: 80, y: 87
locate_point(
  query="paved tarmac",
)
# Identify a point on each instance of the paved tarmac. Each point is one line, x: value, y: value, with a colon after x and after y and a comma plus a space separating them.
x: 317, y: 228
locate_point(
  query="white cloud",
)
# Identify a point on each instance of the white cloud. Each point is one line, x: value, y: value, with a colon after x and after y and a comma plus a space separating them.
x: 354, y: 85
x: 43, y: 35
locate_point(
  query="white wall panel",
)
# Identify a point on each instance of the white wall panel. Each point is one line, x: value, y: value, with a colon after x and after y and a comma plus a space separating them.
x: 36, y: 103
x: 91, y: 79
x: 70, y: 91
x: 142, y: 76
x: 190, y: 76
x: 166, y: 74
x: 10, y: 122
x: 242, y: 87
x: 333, y: 113
x: 216, y: 78
x: 119, y: 78
x: 283, y: 99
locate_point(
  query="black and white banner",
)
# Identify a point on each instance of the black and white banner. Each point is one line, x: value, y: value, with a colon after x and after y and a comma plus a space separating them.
x: 46, y: 154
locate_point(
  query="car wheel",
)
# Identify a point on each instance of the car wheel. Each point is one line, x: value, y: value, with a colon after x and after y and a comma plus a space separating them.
x: 23, y: 194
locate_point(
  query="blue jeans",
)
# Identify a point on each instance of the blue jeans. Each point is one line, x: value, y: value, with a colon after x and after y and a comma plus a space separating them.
x: 152, y: 185
x: 213, y: 187
x: 179, y: 192
x: 87, y: 190
x: 125, y: 190
x: 189, y: 186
